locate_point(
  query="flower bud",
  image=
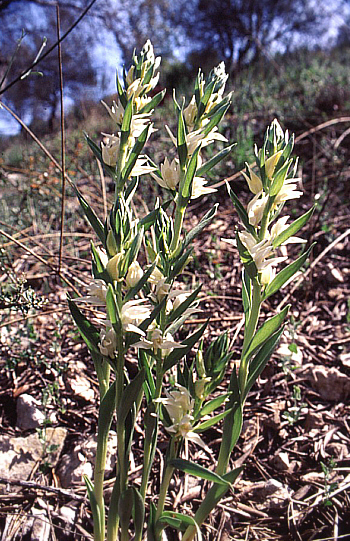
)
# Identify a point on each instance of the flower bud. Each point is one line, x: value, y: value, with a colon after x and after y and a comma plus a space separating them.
x: 134, y: 275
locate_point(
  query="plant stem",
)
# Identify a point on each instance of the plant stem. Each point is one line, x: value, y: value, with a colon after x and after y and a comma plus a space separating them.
x: 165, y: 482
x: 249, y: 332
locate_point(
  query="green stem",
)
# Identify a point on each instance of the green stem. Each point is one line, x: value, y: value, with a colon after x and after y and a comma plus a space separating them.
x: 249, y: 332
x: 179, y: 217
x: 165, y: 483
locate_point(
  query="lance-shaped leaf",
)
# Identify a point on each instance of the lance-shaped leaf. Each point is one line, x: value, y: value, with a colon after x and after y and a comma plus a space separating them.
x: 185, y: 188
x: 246, y: 258
x: 214, y: 495
x: 130, y: 396
x: 241, y: 211
x: 246, y: 295
x: 97, y: 513
x: 127, y: 117
x: 197, y: 471
x: 149, y: 385
x: 88, y: 331
x: 175, y: 314
x: 112, y: 308
x: 207, y: 166
x: 97, y: 260
x: 138, y: 514
x: 125, y: 506
x: 216, y: 118
x: 105, y: 416
x: 205, y: 425
x: 153, y: 103
x: 267, y: 329
x: 207, y: 218
x: 140, y: 284
x: 151, y: 523
x: 279, y: 179
x: 293, y: 228
x: 181, y: 140
x: 134, y: 154
x: 179, y: 521
x: 97, y: 151
x: 133, y: 251
x: 180, y: 263
x: 93, y: 220
x: 284, y: 275
x: 121, y: 92
x: 260, y: 360
x: 149, y: 220
x: 233, y: 421
x: 213, y: 404
x: 188, y: 344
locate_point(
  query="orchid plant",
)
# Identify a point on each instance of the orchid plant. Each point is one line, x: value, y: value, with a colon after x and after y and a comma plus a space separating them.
x: 141, y: 306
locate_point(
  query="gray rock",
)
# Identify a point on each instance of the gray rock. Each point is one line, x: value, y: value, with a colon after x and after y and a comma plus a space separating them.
x: 28, y: 412
x: 18, y: 455
x: 80, y: 460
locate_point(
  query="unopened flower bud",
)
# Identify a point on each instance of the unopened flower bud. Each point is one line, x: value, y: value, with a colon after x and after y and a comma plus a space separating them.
x: 134, y: 274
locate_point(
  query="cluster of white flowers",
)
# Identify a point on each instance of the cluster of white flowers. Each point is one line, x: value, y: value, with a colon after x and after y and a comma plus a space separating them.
x: 260, y: 246
x: 179, y: 406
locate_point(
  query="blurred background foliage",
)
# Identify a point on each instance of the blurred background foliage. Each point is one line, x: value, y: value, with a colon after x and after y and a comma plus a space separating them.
x: 282, y: 56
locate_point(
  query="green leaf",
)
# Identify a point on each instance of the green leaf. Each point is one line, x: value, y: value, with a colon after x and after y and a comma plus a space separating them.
x: 134, y: 154
x: 97, y: 151
x: 242, y: 213
x: 149, y: 220
x: 98, y: 518
x: 88, y: 331
x: 189, y: 342
x: 213, y: 404
x: 216, y: 118
x: 153, y: 103
x: 279, y: 179
x: 99, y: 265
x: 105, y: 416
x: 130, y: 396
x: 246, y: 295
x: 186, y: 187
x: 246, y: 258
x: 181, y: 140
x: 205, y: 168
x: 207, y: 218
x: 293, y: 228
x: 125, y: 506
x: 284, y: 275
x: 112, y: 307
x: 267, y: 329
x: 93, y: 220
x: 197, y: 471
x: 201, y: 427
x: 127, y: 117
x: 179, y: 521
x: 260, y: 360
x: 175, y: 314
x: 138, y: 513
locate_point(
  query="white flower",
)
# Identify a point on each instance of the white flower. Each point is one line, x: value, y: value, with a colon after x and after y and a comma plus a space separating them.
x: 278, y: 227
x: 197, y: 137
x: 170, y: 174
x: 256, y: 207
x: 288, y: 191
x: 253, y: 180
x: 271, y: 163
x: 133, y: 313
x: 112, y: 266
x: 157, y: 340
x: 108, y: 340
x: 199, y: 188
x: 96, y: 294
x: 110, y: 149
x: 134, y: 274
x: 140, y: 123
x: 116, y: 111
x: 141, y: 167
x: 190, y: 113
x: 260, y: 251
x: 156, y: 276
x: 179, y: 406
